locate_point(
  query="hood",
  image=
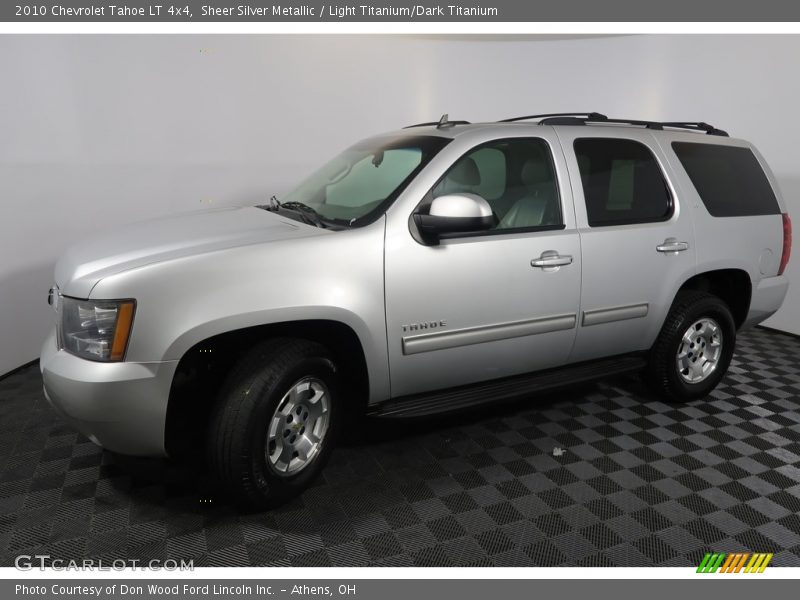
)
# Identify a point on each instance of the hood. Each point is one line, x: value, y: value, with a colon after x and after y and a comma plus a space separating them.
x: 147, y: 242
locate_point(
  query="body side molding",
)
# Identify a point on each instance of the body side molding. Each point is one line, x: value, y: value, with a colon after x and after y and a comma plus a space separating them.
x: 616, y: 313
x: 440, y: 340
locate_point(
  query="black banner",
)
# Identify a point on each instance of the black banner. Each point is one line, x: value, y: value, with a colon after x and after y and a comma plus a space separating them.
x: 401, y: 10
x: 734, y: 588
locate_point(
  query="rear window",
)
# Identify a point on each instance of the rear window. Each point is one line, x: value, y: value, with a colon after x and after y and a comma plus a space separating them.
x: 729, y: 179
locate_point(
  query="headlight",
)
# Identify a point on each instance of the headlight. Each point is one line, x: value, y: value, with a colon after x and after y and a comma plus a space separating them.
x: 97, y: 330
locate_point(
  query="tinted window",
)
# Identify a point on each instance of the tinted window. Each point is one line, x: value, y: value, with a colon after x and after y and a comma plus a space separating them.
x: 515, y: 176
x: 729, y: 180
x: 622, y: 182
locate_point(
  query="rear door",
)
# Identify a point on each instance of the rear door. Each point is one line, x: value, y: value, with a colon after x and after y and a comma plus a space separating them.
x: 637, y: 238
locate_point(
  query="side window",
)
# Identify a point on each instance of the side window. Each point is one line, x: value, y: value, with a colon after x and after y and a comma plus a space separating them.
x: 728, y: 179
x: 492, y: 171
x: 515, y: 176
x: 622, y: 182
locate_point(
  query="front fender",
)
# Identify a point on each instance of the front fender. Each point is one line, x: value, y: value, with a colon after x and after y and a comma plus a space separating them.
x: 336, y: 277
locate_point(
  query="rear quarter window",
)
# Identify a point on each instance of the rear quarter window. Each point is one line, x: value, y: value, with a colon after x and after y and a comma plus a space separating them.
x: 729, y: 179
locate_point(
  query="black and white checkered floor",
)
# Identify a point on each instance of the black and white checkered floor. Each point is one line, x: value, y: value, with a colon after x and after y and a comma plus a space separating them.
x: 600, y: 475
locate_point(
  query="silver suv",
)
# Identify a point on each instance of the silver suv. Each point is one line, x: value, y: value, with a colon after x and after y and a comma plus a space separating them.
x: 431, y: 269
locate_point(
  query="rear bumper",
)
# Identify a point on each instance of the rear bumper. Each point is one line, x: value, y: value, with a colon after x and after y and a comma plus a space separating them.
x: 767, y: 298
x: 119, y: 406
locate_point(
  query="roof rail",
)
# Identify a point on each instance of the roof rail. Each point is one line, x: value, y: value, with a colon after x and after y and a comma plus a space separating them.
x: 709, y: 129
x: 594, y: 116
x: 586, y: 118
x: 440, y: 124
x: 656, y: 125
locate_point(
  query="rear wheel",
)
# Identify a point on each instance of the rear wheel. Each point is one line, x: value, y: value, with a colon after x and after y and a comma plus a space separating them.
x: 694, y: 348
x: 275, y: 421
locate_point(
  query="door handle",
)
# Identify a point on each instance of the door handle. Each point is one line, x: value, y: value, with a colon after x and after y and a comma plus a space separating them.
x: 551, y: 259
x: 672, y: 246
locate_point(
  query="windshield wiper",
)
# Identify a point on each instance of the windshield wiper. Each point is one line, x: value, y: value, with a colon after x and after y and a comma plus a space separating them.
x: 304, y: 211
x: 307, y: 213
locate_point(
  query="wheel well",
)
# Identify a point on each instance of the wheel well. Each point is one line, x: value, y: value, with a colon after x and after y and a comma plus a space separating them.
x: 733, y: 286
x: 202, y: 370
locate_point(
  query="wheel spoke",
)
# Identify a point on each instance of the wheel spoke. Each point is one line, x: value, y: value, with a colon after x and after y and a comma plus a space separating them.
x: 312, y: 441
x: 318, y: 394
x: 294, y: 397
x: 276, y: 427
x: 697, y: 370
x: 312, y: 436
x: 317, y: 409
x: 303, y: 449
x: 285, y: 456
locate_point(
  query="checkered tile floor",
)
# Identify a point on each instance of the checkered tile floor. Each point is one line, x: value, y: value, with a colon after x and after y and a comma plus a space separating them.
x: 600, y: 475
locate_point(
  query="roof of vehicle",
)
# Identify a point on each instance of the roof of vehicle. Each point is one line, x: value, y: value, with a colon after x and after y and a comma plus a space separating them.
x: 447, y: 128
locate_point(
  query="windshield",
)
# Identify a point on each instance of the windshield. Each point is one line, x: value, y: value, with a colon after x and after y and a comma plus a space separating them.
x: 360, y: 183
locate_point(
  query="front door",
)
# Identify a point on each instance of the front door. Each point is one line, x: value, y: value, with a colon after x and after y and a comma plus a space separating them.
x: 488, y: 305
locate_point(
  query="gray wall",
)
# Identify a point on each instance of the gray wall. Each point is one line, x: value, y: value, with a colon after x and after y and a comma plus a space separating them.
x: 101, y: 130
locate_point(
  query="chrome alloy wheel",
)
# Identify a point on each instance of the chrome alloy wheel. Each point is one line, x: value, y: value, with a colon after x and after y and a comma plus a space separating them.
x: 700, y: 350
x: 298, y: 427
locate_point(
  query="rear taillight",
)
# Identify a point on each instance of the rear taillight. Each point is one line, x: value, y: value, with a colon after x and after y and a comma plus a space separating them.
x: 787, y: 243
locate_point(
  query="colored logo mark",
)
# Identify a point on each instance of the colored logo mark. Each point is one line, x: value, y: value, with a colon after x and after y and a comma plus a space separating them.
x: 734, y: 563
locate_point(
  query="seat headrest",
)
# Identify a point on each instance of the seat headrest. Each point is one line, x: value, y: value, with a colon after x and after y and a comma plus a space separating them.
x: 465, y: 172
x: 534, y: 172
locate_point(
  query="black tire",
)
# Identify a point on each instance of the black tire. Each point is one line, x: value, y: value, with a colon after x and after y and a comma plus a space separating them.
x: 662, y: 373
x: 237, y: 434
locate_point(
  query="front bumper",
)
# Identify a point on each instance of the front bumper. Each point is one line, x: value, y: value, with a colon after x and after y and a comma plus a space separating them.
x: 120, y: 406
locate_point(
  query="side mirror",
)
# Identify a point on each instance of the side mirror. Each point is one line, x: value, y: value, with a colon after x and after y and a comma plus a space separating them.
x: 455, y: 213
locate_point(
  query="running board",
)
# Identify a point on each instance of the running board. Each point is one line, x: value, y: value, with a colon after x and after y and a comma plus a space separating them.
x: 466, y: 397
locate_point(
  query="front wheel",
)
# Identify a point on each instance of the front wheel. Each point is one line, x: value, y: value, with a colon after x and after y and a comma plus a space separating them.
x: 694, y: 348
x: 275, y: 421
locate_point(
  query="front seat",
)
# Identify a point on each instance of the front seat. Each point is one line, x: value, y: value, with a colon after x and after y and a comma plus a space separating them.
x: 537, y: 202
x: 464, y: 177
